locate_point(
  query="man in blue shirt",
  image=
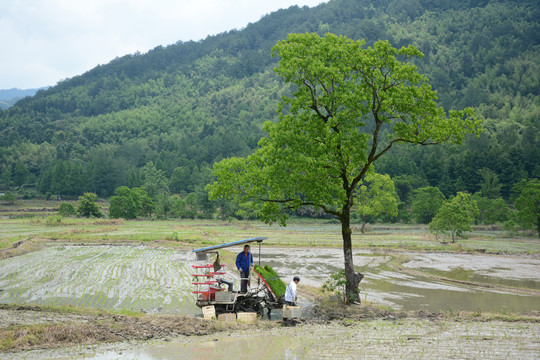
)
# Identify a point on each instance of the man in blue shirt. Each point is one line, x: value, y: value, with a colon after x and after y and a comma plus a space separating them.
x: 244, y: 262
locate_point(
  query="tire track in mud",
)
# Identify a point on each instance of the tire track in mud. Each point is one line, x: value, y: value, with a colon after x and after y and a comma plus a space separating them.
x: 110, y: 277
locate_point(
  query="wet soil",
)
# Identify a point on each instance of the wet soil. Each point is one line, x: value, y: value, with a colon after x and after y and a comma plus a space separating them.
x: 32, y: 327
x: 369, y: 333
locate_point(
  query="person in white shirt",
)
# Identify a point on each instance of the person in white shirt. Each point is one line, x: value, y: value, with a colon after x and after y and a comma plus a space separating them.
x: 290, y: 292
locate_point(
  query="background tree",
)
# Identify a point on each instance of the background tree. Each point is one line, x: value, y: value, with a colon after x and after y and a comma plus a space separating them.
x: 491, y: 211
x: 375, y: 197
x: 123, y: 204
x: 425, y: 203
x: 455, y: 216
x: 146, y: 203
x: 20, y: 174
x: 528, y: 204
x: 154, y: 180
x: 490, y: 186
x: 350, y: 105
x: 130, y: 203
x: 164, y: 205
x: 87, y: 207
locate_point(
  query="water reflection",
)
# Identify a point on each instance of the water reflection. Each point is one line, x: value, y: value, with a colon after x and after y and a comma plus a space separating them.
x: 222, y: 347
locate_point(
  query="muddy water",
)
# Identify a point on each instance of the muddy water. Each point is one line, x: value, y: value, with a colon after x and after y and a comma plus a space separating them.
x: 218, y: 347
x: 384, y: 284
x: 407, y: 339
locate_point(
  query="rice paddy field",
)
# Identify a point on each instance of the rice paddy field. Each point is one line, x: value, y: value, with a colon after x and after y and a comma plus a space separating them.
x: 145, y: 267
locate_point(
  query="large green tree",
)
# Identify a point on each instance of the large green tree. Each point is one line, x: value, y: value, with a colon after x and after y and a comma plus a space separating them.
x: 350, y: 106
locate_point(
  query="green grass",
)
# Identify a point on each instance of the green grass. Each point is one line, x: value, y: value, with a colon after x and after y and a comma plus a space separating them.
x: 298, y: 233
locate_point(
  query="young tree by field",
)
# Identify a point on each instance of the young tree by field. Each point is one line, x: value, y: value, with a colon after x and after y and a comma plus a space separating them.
x: 8, y: 198
x: 87, y: 206
x: 455, y: 216
x: 350, y: 105
x: 528, y: 204
x: 378, y: 196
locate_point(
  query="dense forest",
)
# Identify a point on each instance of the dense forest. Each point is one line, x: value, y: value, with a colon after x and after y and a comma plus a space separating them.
x: 159, y: 120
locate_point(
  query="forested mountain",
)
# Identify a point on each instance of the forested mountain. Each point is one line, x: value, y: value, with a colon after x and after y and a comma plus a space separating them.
x: 164, y: 117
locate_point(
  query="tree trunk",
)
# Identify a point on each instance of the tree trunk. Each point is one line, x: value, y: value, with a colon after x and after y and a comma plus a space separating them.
x: 353, y: 279
x: 363, y: 225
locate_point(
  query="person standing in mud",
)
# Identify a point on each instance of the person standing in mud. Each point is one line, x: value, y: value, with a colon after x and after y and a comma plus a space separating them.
x: 244, y: 263
x: 290, y: 292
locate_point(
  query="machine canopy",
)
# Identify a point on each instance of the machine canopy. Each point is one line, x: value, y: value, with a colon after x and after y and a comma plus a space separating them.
x: 234, y: 243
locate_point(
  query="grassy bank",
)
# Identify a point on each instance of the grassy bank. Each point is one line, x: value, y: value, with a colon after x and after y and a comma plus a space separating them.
x: 299, y: 233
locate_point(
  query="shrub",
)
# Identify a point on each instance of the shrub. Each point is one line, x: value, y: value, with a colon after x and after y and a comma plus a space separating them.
x: 336, y: 285
x: 54, y: 220
x: 66, y: 209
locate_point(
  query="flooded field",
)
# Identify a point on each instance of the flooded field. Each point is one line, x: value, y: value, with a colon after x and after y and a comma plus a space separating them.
x: 108, y: 277
x: 441, y: 282
x: 158, y: 280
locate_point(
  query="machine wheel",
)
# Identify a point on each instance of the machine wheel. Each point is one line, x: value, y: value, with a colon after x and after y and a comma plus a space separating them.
x: 250, y: 305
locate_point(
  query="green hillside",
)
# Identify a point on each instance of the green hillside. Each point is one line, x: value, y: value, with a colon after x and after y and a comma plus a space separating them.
x: 164, y: 117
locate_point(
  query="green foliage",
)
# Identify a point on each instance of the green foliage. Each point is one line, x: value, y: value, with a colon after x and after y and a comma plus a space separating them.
x: 87, y: 206
x: 376, y: 196
x: 425, y: 203
x: 455, y: 216
x: 336, y: 285
x: 528, y: 204
x: 272, y: 279
x: 322, y: 164
x: 66, y: 209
